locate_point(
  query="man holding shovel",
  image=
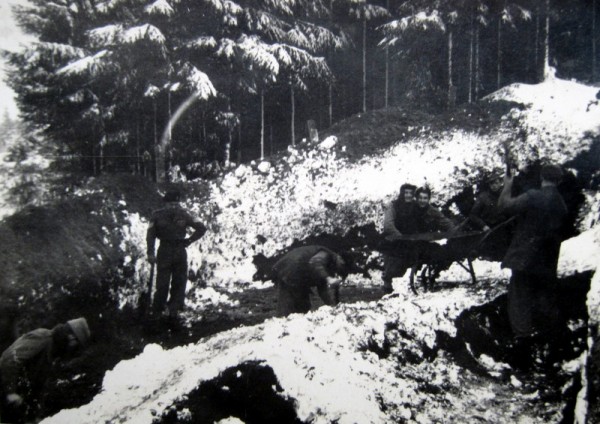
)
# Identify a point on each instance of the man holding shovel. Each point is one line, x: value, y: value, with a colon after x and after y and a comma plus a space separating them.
x: 170, y: 225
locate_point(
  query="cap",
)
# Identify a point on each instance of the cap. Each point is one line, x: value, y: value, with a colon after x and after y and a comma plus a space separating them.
x: 80, y: 328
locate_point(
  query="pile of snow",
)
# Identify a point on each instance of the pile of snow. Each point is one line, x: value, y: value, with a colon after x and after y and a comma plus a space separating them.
x: 558, y: 117
x: 321, y: 361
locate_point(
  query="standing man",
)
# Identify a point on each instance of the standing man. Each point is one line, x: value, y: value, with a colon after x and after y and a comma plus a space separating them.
x: 533, y: 257
x: 26, y: 364
x: 398, y: 220
x: 169, y: 225
x: 303, y: 268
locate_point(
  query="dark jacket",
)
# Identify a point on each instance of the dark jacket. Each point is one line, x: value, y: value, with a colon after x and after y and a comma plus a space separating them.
x: 431, y: 220
x: 485, y: 211
x: 535, y: 245
x: 306, y: 267
x: 170, y: 224
x: 399, y: 219
x: 30, y: 358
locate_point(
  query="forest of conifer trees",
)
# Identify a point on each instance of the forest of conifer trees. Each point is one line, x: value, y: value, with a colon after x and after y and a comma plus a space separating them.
x: 238, y: 80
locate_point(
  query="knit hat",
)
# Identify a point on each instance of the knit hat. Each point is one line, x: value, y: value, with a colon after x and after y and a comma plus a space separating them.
x: 80, y: 328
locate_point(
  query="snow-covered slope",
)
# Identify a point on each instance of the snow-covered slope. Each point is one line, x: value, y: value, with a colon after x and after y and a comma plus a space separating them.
x: 262, y: 209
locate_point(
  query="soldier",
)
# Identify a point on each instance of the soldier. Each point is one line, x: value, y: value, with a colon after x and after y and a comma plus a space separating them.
x: 26, y: 364
x: 169, y: 225
x: 398, y: 220
x: 533, y: 257
x: 303, y: 268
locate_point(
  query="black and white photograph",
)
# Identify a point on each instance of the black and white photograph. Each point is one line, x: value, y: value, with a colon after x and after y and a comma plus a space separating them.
x: 299, y: 211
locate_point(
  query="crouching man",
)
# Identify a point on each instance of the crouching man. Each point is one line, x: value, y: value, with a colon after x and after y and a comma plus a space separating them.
x: 26, y: 364
x: 303, y: 268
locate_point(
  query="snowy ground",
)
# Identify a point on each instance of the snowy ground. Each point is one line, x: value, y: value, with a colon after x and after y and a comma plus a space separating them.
x: 321, y: 362
x: 320, y: 359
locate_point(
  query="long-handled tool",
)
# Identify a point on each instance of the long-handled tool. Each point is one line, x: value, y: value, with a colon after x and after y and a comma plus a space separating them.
x: 146, y: 296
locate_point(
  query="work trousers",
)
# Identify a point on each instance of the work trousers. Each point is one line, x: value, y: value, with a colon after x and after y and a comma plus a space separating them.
x: 394, y: 266
x: 292, y: 300
x: 171, y: 271
x: 532, y: 304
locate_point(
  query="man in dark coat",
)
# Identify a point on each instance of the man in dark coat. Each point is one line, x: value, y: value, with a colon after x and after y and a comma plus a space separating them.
x: 303, y: 268
x: 533, y: 257
x: 170, y: 225
x: 25, y: 366
x: 398, y: 220
x: 485, y: 213
x: 429, y: 219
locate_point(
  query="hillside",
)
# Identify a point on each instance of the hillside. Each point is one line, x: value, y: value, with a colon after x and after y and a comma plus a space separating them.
x: 403, y: 358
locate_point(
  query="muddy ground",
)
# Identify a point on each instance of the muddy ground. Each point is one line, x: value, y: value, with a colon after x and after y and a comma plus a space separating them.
x: 125, y: 335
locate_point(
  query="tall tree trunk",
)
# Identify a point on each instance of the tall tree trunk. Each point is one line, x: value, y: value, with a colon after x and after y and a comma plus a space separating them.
x: 477, y: 70
x: 536, y: 54
x: 547, y: 41
x: 331, y: 82
x: 204, y: 125
x: 364, y: 60
x: 262, y: 124
x: 499, y: 54
x: 330, y: 104
x: 293, y: 113
x: 387, y: 66
x: 170, y: 134
x: 137, y: 145
x: 593, y: 40
x: 451, y: 89
x: 239, y: 151
x: 227, y: 152
x: 101, y: 158
x: 271, y: 138
x: 471, y: 42
x: 157, y: 153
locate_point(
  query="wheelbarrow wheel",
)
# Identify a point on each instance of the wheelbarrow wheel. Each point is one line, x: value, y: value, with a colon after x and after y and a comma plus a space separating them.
x: 422, y: 279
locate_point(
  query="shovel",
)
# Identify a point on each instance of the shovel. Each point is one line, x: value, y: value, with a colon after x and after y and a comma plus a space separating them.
x: 146, y: 296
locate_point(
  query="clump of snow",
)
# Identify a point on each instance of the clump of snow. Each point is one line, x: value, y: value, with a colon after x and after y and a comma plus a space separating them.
x: 581, y: 253
x: 328, y: 143
x: 264, y: 167
x: 230, y: 420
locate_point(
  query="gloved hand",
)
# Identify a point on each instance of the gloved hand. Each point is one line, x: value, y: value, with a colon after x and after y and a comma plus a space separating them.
x: 151, y: 259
